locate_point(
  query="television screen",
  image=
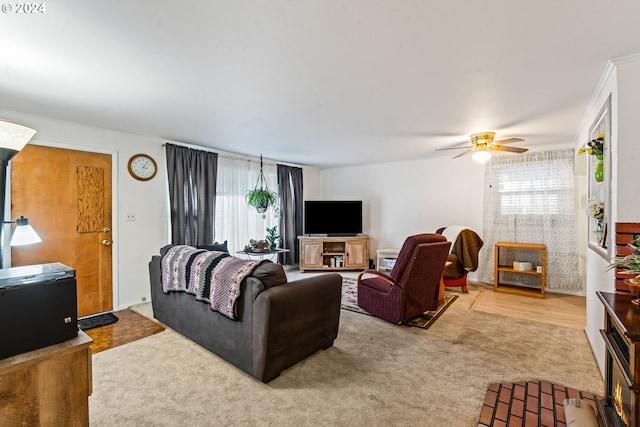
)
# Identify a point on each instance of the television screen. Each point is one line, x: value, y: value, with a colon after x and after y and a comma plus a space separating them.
x: 334, y: 218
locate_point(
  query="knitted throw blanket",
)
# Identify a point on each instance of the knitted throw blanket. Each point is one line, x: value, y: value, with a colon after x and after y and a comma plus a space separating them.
x: 213, y: 277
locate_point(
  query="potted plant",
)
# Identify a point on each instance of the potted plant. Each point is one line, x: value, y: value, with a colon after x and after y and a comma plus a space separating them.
x: 261, y: 198
x: 630, y: 264
x: 595, y: 147
x: 272, y: 237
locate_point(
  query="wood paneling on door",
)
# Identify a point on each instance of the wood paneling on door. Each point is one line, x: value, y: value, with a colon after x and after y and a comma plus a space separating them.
x: 66, y: 194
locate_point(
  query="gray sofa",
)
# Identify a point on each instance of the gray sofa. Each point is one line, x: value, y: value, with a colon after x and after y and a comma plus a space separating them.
x: 280, y: 323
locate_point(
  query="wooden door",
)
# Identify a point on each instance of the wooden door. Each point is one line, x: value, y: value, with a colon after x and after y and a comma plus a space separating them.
x: 66, y: 195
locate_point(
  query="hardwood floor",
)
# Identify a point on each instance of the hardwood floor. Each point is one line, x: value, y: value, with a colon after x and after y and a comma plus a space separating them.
x: 130, y: 326
x: 557, y: 309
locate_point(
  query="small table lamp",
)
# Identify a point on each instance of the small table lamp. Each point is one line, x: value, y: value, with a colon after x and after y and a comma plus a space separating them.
x: 24, y: 234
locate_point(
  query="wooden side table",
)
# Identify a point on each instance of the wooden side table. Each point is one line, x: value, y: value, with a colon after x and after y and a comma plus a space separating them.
x: 505, y: 265
x: 49, y: 386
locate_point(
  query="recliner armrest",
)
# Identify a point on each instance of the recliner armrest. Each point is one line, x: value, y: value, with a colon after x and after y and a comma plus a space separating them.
x: 380, y: 274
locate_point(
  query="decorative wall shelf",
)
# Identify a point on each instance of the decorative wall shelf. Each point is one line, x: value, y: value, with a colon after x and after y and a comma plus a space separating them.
x: 599, y: 181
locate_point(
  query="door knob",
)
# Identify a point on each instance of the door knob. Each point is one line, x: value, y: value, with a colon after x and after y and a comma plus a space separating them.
x: 106, y: 242
x: 106, y: 229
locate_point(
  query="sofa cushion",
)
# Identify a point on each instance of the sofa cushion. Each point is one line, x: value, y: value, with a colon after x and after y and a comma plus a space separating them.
x: 220, y: 247
x: 270, y: 274
x: 164, y: 249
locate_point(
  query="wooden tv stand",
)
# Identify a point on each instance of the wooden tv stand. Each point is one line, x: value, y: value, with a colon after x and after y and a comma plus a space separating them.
x: 334, y: 253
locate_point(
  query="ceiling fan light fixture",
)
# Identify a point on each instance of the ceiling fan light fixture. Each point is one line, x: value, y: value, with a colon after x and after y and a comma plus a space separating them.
x: 482, y: 138
x: 483, y: 144
x: 481, y: 156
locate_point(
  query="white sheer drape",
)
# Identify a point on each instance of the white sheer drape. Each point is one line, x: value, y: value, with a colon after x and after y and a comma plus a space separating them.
x: 236, y: 221
x: 530, y: 198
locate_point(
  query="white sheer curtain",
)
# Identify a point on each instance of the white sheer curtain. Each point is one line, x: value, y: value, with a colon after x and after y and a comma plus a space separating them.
x: 530, y: 198
x: 236, y: 221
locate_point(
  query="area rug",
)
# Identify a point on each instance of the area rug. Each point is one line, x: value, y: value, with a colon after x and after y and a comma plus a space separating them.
x: 350, y: 302
x: 350, y: 296
x: 97, y: 321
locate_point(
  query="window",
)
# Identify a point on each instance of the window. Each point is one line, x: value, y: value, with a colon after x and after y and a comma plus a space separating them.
x: 530, y: 198
x: 236, y: 221
x: 536, y: 188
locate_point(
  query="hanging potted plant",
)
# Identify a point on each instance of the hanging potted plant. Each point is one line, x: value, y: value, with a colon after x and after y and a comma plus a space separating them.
x: 261, y: 197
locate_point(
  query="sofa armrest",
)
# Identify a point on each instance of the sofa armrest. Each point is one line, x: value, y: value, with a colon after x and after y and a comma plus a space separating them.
x: 293, y: 321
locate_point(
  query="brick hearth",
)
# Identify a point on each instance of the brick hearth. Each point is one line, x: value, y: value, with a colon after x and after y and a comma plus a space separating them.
x: 528, y: 404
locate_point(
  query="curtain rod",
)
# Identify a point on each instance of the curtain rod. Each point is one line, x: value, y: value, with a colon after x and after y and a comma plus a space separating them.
x: 229, y: 155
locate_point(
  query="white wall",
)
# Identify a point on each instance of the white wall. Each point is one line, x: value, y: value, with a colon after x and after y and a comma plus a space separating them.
x: 597, y: 278
x: 627, y: 153
x: 410, y: 197
x: 133, y: 242
x: 621, y: 81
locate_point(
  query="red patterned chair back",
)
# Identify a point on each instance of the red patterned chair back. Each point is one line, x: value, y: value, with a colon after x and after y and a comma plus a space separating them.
x: 406, y: 252
x: 421, y: 280
x: 412, y: 286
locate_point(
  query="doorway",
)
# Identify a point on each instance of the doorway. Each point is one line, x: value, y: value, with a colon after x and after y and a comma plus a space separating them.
x: 67, y: 197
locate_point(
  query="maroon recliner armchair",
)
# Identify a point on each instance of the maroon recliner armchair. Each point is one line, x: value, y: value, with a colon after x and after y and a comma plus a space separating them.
x: 412, y: 286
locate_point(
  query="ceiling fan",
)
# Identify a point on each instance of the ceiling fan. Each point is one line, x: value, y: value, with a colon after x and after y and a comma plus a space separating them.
x: 483, y: 142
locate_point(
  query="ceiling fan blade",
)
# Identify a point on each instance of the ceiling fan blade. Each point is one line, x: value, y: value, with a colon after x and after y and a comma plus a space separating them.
x: 508, y: 141
x: 462, y: 154
x: 453, y: 148
x: 509, y: 149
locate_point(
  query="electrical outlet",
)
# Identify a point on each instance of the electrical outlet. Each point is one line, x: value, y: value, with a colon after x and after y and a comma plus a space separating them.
x: 131, y: 217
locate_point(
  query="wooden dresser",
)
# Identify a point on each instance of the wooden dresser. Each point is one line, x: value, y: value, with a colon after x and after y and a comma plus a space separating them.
x: 49, y: 386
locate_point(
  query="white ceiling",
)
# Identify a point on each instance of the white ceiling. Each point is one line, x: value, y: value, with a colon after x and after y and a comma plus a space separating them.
x: 317, y: 82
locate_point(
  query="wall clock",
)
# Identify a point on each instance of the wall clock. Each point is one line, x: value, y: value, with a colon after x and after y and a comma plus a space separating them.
x: 142, y: 167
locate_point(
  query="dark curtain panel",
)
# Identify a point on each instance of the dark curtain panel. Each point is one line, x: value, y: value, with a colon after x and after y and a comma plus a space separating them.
x: 192, y: 194
x: 290, y: 189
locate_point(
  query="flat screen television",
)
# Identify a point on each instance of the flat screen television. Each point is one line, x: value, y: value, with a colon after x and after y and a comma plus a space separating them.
x: 333, y: 217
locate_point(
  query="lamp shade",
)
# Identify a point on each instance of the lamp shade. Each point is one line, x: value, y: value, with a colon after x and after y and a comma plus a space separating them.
x: 24, y: 234
x: 14, y: 136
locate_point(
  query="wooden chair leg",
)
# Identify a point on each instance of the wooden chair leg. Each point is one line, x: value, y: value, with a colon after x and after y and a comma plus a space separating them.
x: 441, y: 293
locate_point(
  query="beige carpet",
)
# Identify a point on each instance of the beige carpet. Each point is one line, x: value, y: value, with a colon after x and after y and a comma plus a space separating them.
x: 376, y: 374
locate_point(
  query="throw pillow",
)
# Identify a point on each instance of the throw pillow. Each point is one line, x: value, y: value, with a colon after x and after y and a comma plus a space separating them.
x: 270, y: 274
